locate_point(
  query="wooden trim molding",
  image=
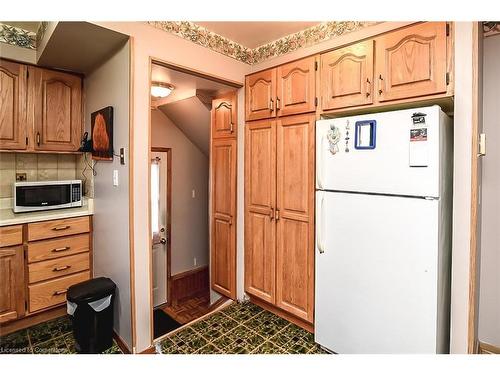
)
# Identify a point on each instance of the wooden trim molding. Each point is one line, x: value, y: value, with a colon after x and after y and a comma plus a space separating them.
x: 189, y: 284
x: 121, y: 343
x: 485, y: 348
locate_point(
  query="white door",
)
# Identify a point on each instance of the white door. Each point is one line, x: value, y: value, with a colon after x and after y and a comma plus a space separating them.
x: 377, y: 274
x: 159, y: 170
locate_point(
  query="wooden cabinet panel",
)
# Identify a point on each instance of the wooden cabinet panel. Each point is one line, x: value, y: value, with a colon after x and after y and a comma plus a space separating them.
x: 11, y: 283
x: 224, y: 116
x: 223, y: 252
x: 53, y: 292
x: 260, y: 95
x: 13, y: 100
x: 58, y: 267
x: 260, y: 199
x: 295, y: 219
x: 411, y: 62
x: 57, y: 102
x: 296, y: 87
x: 58, y: 228
x: 11, y: 235
x: 50, y: 249
x: 347, y: 76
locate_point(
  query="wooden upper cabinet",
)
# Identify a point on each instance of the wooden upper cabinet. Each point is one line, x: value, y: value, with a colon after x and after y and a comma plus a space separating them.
x: 295, y: 218
x: 411, y: 62
x: 57, y: 103
x: 224, y: 116
x: 296, y: 87
x: 260, y: 95
x: 13, y: 98
x: 11, y: 283
x: 347, y: 76
x: 260, y: 201
x: 223, y: 252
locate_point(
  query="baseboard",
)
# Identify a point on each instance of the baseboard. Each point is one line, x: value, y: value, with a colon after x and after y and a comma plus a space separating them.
x: 485, y: 348
x: 283, y: 314
x: 189, y: 284
x: 31, y: 320
x: 121, y: 343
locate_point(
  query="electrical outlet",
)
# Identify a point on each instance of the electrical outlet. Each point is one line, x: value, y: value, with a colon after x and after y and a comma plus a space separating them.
x: 193, y: 193
x: 194, y: 261
x: 21, y: 177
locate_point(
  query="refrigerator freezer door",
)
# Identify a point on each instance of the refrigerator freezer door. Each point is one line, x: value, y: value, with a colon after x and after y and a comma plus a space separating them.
x: 376, y: 273
x: 392, y: 152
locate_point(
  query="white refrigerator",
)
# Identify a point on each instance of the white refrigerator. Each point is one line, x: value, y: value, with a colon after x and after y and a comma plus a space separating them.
x: 383, y: 232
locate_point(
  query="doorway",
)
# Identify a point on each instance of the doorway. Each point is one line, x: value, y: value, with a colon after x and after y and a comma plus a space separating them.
x: 194, y: 127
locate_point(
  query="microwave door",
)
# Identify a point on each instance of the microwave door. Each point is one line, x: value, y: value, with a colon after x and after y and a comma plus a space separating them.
x: 43, y: 197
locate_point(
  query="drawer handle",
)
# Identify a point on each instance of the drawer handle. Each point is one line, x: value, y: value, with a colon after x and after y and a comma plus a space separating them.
x: 59, y: 292
x: 61, y: 228
x: 57, y: 269
x: 59, y: 249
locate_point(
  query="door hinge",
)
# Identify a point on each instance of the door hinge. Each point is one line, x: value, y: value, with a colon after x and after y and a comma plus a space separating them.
x: 482, y: 145
x: 447, y: 79
x: 315, y: 65
x: 447, y: 29
x: 316, y: 102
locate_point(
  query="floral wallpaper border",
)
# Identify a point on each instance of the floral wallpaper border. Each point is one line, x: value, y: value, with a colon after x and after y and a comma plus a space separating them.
x: 17, y: 37
x: 305, y: 38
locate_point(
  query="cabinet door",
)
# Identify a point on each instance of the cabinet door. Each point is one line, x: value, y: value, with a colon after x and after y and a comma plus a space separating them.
x: 295, y: 216
x: 260, y: 95
x: 223, y: 252
x: 11, y: 283
x: 296, y: 87
x: 57, y: 100
x: 224, y: 116
x: 411, y: 62
x: 260, y: 199
x: 347, y: 76
x: 13, y: 90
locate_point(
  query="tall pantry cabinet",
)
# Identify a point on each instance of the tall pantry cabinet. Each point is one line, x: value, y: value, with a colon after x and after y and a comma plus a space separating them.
x: 279, y: 187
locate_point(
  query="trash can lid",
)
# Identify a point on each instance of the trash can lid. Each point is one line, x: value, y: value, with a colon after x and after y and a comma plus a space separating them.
x: 91, y: 290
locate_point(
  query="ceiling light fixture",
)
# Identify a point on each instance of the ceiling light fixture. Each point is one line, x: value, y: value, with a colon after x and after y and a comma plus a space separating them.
x: 160, y: 89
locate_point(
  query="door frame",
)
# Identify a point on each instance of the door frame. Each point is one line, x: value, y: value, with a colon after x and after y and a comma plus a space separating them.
x: 168, y: 224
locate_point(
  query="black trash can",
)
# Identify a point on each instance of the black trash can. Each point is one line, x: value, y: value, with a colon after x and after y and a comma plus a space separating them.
x: 90, y: 305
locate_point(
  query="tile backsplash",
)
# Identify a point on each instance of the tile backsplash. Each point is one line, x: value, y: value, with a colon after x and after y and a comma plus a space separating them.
x: 37, y: 167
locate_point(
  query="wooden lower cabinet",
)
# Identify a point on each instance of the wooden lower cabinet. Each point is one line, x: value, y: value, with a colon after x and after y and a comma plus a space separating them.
x: 279, y: 221
x: 48, y: 257
x: 11, y: 283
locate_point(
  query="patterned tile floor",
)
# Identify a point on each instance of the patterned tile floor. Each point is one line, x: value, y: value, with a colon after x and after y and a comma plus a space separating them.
x: 52, y: 337
x: 241, y: 328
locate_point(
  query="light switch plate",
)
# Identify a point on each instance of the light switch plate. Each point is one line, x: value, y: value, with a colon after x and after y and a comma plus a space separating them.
x: 115, y: 177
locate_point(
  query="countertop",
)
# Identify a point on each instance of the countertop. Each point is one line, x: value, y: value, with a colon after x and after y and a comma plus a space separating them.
x: 8, y: 217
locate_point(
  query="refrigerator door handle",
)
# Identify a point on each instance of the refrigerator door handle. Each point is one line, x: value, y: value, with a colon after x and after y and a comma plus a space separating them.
x: 319, y: 232
x: 319, y: 164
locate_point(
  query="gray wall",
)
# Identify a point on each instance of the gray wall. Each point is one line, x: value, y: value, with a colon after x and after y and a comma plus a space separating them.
x: 108, y: 85
x: 189, y: 215
x: 489, y: 289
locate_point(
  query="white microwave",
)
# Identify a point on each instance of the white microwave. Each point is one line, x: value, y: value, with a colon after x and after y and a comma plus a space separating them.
x: 47, y: 195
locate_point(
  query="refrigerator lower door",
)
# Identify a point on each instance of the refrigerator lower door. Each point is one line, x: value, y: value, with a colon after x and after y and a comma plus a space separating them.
x: 376, y: 273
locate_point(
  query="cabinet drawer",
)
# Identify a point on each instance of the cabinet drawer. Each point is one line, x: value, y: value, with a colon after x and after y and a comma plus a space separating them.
x: 12, y: 235
x: 53, y: 292
x: 58, y: 228
x: 63, y: 266
x: 59, y: 247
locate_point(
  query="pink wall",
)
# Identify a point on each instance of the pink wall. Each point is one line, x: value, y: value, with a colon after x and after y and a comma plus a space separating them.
x: 151, y: 43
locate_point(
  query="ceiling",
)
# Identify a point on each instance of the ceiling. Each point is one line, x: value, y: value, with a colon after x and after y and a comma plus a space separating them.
x: 255, y: 34
x: 189, y: 104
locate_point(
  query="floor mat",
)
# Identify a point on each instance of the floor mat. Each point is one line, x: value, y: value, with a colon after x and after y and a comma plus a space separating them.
x: 163, y: 323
